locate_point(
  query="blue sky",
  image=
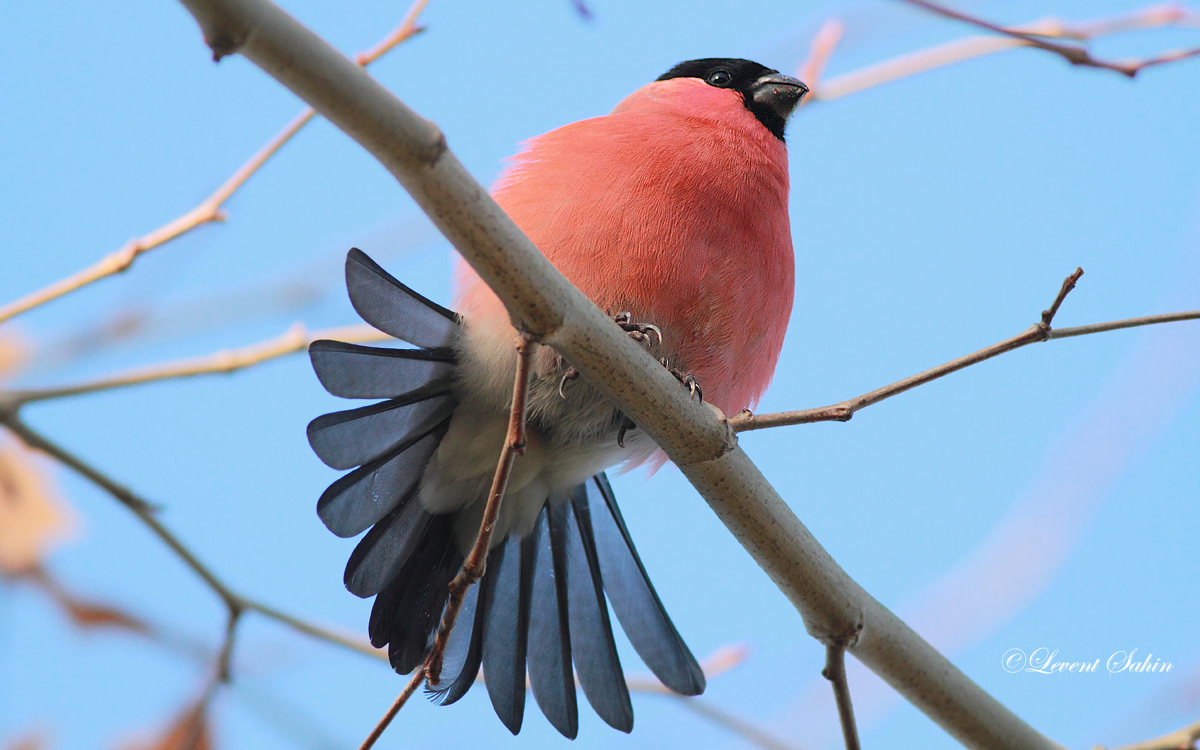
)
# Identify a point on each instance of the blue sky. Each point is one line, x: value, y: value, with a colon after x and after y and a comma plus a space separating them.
x: 1044, y: 499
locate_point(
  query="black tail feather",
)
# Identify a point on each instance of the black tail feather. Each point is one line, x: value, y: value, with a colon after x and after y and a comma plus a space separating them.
x: 549, y: 653
x: 394, y: 308
x: 509, y: 583
x: 592, y: 645
x: 464, y: 649
x: 354, y: 371
x: 345, y: 439
x: 387, y: 547
x: 424, y: 598
x: 363, y: 497
x: 633, y: 598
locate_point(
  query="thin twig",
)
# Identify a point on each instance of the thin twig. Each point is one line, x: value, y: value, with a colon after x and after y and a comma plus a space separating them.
x: 1180, y: 739
x: 842, y: 412
x: 414, y: 682
x: 835, y: 672
x: 316, y: 631
x: 297, y: 338
x: 1072, y: 53
x: 912, y: 63
x: 225, y: 655
x: 208, y: 210
x: 476, y: 563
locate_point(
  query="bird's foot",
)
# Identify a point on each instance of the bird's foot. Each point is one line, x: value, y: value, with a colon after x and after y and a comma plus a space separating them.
x: 639, y: 332
x: 685, y: 378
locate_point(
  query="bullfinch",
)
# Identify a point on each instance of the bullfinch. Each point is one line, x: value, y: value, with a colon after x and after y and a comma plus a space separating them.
x: 671, y: 213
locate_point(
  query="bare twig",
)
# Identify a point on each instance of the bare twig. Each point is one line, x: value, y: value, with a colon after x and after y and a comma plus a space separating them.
x: 1180, y: 739
x: 297, y: 338
x: 225, y: 655
x: 720, y: 661
x: 414, y: 682
x: 208, y: 210
x: 1155, y: 16
x: 843, y: 411
x: 1074, y: 54
x: 476, y: 563
x: 835, y: 672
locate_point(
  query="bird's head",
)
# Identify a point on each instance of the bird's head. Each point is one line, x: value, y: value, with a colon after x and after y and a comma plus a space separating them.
x: 768, y: 94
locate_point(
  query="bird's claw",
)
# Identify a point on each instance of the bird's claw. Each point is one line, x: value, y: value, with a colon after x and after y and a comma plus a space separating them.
x: 638, y: 331
x: 625, y: 427
x: 570, y: 374
x: 685, y: 378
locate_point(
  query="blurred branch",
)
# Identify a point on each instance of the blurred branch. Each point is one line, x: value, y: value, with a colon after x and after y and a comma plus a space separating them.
x: 717, y: 663
x: 208, y: 210
x: 1072, y: 53
x: 740, y: 727
x: 820, y: 50
x: 297, y: 338
x: 235, y: 603
x: 1156, y: 16
x: 1041, y: 331
x: 1181, y: 739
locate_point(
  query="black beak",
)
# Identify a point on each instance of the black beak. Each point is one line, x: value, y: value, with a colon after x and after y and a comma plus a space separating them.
x: 778, y: 93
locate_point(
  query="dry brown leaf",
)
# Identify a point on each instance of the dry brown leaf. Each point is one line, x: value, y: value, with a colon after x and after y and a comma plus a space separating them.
x: 84, y: 613
x: 33, y: 518
x: 14, y: 352
x: 190, y: 731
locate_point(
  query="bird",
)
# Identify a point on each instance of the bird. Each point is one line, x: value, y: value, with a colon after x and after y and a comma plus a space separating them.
x: 671, y: 214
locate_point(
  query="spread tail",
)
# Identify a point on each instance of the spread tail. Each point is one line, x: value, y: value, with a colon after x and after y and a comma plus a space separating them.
x: 541, y: 604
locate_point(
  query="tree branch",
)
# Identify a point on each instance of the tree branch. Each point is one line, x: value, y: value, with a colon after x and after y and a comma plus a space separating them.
x: 295, y: 339
x: 414, y: 682
x: 234, y: 602
x: 835, y: 672
x: 1181, y: 739
x: 1074, y: 54
x: 541, y: 301
x: 208, y: 210
x: 844, y: 410
x: 1155, y: 16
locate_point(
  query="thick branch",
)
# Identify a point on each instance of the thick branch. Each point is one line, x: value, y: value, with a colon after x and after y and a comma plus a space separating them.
x: 541, y: 301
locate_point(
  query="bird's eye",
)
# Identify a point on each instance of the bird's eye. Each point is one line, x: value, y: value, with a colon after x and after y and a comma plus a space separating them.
x: 719, y: 78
